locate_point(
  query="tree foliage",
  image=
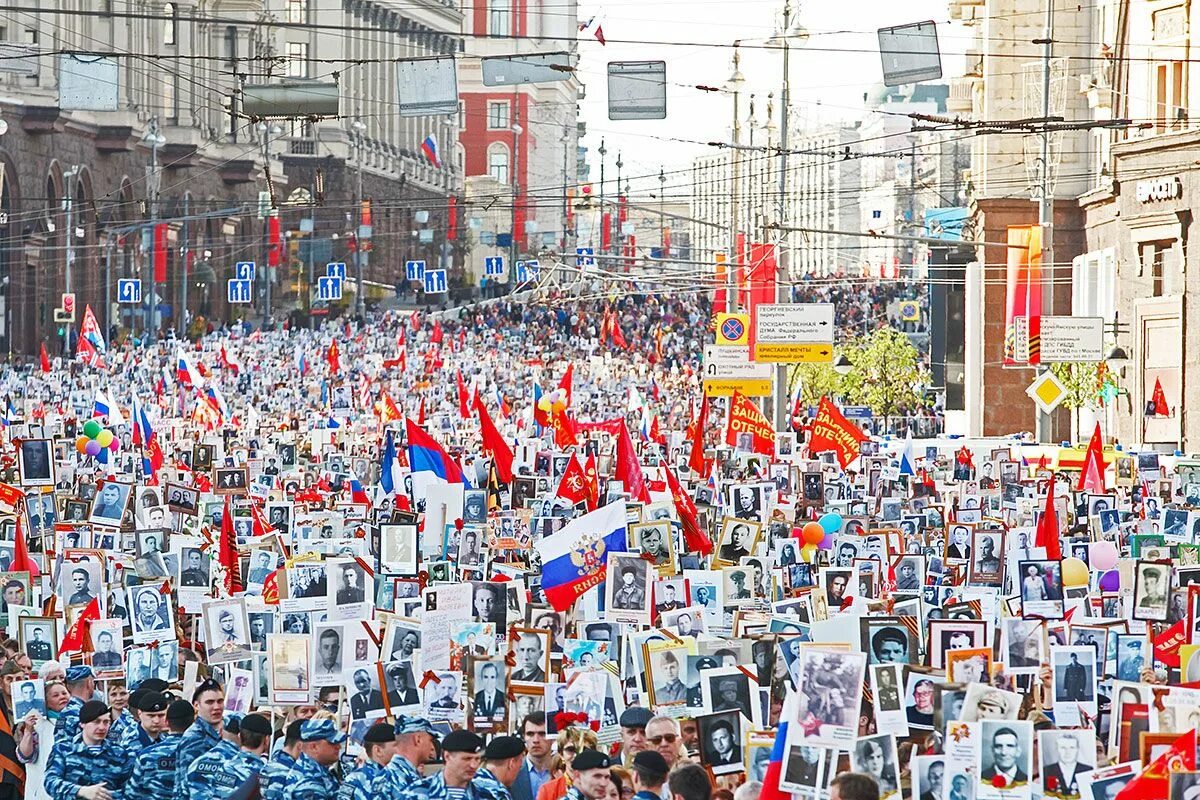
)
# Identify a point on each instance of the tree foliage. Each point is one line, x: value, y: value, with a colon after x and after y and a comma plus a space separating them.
x: 1088, y: 384
x: 886, y: 375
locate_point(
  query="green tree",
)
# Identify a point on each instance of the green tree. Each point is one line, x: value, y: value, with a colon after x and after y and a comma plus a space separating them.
x: 886, y: 374
x: 816, y: 381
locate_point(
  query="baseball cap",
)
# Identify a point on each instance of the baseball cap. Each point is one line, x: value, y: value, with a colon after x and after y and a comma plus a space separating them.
x: 316, y: 730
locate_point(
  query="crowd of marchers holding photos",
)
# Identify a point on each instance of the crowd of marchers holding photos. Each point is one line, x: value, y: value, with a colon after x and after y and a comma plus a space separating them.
x: 512, y: 552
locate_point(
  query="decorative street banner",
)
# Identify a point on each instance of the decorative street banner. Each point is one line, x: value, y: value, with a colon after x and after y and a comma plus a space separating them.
x: 832, y: 431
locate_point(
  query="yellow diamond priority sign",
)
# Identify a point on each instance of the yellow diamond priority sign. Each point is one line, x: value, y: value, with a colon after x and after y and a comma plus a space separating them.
x: 1047, y: 392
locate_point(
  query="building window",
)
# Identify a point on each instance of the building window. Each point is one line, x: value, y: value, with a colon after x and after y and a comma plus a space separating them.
x: 1169, y: 91
x: 170, y: 23
x: 170, y: 96
x: 231, y: 44
x: 498, y: 162
x: 499, y: 17
x: 498, y: 115
x: 297, y: 11
x: 1154, y: 265
x: 297, y: 59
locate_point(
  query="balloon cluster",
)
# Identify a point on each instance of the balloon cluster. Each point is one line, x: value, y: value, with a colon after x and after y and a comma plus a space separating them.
x: 818, y: 534
x: 96, y: 438
x: 553, y: 401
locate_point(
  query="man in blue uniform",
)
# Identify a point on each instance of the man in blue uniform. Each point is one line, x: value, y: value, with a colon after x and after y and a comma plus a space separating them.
x: 217, y: 773
x: 463, y: 753
x: 379, y: 743
x: 209, y: 702
x: 416, y: 745
x: 502, y: 762
x: 151, y: 710
x: 590, y: 776
x: 273, y: 778
x: 310, y: 779
x: 89, y: 767
x: 154, y: 765
x: 81, y: 683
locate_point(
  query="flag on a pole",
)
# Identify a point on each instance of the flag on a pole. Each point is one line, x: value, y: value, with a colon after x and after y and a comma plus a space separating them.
x: 832, y: 431
x: 1091, y: 477
x: 576, y: 558
x: 494, y: 443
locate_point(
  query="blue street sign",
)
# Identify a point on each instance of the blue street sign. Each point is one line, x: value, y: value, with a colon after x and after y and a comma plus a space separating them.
x: 435, y: 281
x: 585, y: 257
x: 522, y: 272
x: 244, y: 271
x: 129, y: 290
x: 493, y: 266
x: 329, y: 287
x: 336, y: 269
x: 414, y: 270
x: 240, y: 290
x: 534, y: 266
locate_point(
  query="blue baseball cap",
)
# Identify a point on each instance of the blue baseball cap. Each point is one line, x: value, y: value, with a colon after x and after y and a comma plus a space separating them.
x: 314, y: 731
x: 76, y: 674
x: 414, y: 725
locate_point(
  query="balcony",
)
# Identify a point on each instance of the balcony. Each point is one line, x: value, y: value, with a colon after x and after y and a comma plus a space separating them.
x: 962, y: 91
x: 302, y: 146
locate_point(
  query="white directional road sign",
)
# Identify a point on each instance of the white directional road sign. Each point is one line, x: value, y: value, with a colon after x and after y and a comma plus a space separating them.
x: 240, y: 291
x: 414, y: 270
x: 793, y: 332
x: 728, y: 369
x: 244, y: 270
x: 1066, y: 339
x: 493, y: 266
x: 435, y: 281
x: 129, y: 290
x: 329, y: 287
x: 336, y: 269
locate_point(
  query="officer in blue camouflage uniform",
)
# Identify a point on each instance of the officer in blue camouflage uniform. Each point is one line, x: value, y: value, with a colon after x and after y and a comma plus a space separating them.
x: 320, y: 746
x: 379, y: 743
x: 153, y: 773
x: 273, y: 778
x: 209, y: 701
x: 217, y: 773
x: 81, y: 683
x: 590, y: 775
x: 150, y: 724
x: 416, y: 745
x: 463, y: 753
x: 125, y: 722
x: 90, y: 767
x: 502, y: 762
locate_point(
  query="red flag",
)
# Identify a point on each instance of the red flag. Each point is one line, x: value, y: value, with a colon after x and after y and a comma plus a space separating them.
x: 1047, y: 529
x: 628, y: 470
x: 332, y: 357
x: 421, y: 412
x: 436, y: 335
x: 696, y: 460
x: 832, y: 431
x: 593, y: 482
x: 1157, y: 406
x: 73, y: 640
x: 464, y: 397
x: 618, y: 336
x: 261, y: 526
x: 387, y: 409
x: 1167, y: 644
x: 1091, y: 477
x: 694, y: 538
x: 565, y: 384
x: 493, y: 442
x: 22, y: 562
x: 600, y: 35
x: 574, y: 484
x: 1154, y: 781
x: 564, y: 429
x: 45, y: 359
x: 227, y: 553
x: 744, y: 417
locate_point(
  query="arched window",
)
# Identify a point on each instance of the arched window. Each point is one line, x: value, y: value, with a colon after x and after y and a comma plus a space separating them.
x: 170, y: 23
x: 498, y: 162
x: 499, y: 17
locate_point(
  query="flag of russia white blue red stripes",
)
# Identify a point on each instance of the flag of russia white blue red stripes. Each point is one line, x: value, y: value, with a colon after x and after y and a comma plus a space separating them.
x: 573, y: 560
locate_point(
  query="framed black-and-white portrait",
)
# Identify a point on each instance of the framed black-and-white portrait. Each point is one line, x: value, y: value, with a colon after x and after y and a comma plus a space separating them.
x: 183, y: 499
x: 627, y: 596
x: 227, y: 630
x: 111, y: 502
x: 36, y: 462
x: 230, y: 480
x: 1152, y: 581
x: 720, y: 739
x: 150, y: 613
x: 38, y: 639
x: 398, y: 549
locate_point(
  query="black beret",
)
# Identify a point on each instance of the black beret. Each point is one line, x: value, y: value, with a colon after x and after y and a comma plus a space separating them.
x: 92, y: 710
x: 135, y: 699
x: 502, y: 747
x: 180, y: 710
x: 590, y: 759
x: 233, y: 724
x: 380, y: 732
x: 153, y: 685
x: 256, y: 723
x: 651, y: 761
x: 153, y: 701
x: 461, y: 741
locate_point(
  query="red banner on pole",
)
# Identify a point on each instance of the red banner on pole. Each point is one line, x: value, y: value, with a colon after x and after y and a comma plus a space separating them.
x: 832, y: 431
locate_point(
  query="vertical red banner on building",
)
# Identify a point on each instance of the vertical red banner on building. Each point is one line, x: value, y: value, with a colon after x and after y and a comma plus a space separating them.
x: 761, y: 272
x: 721, y: 292
x: 452, y: 218
x: 605, y: 231
x: 273, y: 247
x: 160, y: 253
x: 1023, y: 307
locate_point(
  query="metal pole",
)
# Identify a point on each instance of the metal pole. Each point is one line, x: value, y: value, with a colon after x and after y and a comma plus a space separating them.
x: 616, y: 217
x: 108, y: 284
x: 185, y: 252
x: 512, y: 245
x: 603, y: 152
x: 70, y: 234
x: 734, y: 192
x: 785, y: 257
x: 662, y: 211
x: 148, y: 320
x: 566, y: 202
x: 1046, y: 201
x: 359, y: 300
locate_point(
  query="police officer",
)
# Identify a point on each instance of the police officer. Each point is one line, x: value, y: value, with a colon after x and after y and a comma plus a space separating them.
x: 90, y: 766
x: 379, y: 742
x: 463, y: 753
x: 153, y: 772
x: 310, y: 779
x: 151, y: 709
x: 81, y: 683
x: 209, y: 702
x: 416, y: 745
x: 502, y: 762
x: 273, y: 778
x: 220, y: 771
x: 590, y: 776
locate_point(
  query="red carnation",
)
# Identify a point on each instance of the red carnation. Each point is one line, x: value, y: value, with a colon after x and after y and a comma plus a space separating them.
x: 999, y: 781
x: 1052, y: 782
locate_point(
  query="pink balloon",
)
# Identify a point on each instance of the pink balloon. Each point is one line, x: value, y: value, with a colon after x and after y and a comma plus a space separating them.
x: 1103, y: 555
x: 1110, y: 581
x: 114, y: 444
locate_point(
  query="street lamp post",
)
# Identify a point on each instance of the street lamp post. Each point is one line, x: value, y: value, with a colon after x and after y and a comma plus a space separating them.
x: 734, y: 85
x: 360, y: 253
x: 70, y: 176
x: 662, y: 212
x: 155, y: 139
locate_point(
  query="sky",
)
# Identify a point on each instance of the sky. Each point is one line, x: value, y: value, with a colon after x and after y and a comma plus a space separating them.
x: 829, y: 71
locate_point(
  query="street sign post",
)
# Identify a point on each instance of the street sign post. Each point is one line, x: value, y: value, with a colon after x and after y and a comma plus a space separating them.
x: 1047, y: 392
x: 414, y: 270
x: 329, y: 288
x: 733, y: 330
x: 793, y: 332
x: 435, y: 281
x: 728, y: 368
x: 336, y: 269
x: 493, y: 266
x: 129, y: 290
x: 244, y: 270
x: 585, y: 257
x: 240, y: 290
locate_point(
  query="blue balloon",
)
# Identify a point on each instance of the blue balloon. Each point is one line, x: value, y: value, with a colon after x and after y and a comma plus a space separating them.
x: 831, y: 523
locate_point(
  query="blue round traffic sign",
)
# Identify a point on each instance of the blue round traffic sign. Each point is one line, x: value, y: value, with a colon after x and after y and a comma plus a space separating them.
x: 733, y: 329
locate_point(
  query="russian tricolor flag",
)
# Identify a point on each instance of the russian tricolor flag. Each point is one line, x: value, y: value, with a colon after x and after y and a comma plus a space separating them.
x: 430, y: 148
x: 301, y: 361
x: 563, y: 580
x: 185, y: 373
x: 426, y: 455
x: 217, y: 400
x: 388, y: 477
x: 771, y: 778
x: 907, y: 459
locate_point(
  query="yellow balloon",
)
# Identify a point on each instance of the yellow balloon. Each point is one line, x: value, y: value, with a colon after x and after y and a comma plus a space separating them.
x: 808, y: 552
x: 1074, y: 572
x: 104, y: 438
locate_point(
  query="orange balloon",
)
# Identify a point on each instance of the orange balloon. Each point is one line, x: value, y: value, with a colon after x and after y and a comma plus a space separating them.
x: 813, y: 533
x: 81, y: 444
